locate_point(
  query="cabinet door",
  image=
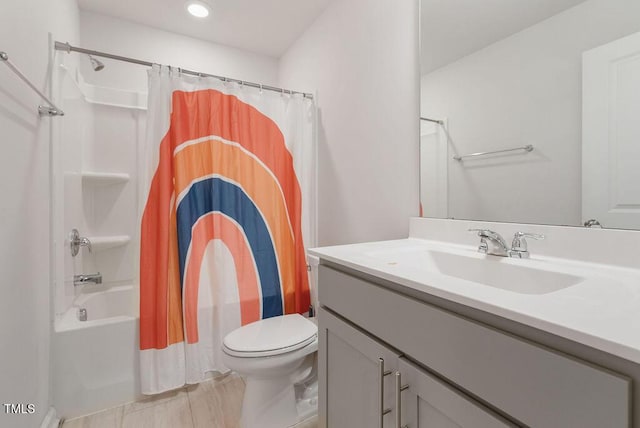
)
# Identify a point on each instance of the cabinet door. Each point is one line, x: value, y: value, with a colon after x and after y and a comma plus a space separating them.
x: 355, y: 377
x: 428, y: 402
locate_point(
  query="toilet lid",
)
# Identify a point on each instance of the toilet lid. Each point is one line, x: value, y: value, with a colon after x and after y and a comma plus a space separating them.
x: 271, y: 336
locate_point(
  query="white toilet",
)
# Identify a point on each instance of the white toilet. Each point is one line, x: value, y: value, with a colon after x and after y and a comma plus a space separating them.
x: 277, y: 357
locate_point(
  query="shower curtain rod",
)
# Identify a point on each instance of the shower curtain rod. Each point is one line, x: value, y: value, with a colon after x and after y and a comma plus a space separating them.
x: 439, y: 122
x: 59, y: 46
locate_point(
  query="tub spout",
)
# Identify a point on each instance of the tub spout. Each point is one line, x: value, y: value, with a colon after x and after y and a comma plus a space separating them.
x: 95, y: 278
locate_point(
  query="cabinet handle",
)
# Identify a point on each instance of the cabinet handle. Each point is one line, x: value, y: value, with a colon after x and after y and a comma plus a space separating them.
x: 383, y: 373
x: 399, y: 388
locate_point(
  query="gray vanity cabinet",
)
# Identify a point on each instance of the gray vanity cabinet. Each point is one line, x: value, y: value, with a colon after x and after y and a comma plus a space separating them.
x: 459, y: 372
x: 427, y: 402
x: 364, y: 386
x: 357, y: 373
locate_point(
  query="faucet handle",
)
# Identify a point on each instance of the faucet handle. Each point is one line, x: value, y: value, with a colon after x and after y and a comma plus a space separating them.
x: 483, y: 232
x: 76, y: 241
x: 519, y: 236
x: 519, y: 244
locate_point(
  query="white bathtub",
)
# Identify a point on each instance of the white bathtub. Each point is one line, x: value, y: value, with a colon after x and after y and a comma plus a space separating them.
x: 95, y: 362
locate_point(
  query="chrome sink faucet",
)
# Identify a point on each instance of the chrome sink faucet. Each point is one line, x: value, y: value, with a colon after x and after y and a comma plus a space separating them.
x: 493, y: 243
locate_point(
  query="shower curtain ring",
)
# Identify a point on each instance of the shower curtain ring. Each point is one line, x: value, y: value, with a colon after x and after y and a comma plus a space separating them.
x: 261, y: 88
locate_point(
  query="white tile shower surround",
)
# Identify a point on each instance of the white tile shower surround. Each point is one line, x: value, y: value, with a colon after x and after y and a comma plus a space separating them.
x: 212, y: 404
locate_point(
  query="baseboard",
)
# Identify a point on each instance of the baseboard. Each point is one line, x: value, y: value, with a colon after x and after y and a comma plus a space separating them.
x: 51, y: 419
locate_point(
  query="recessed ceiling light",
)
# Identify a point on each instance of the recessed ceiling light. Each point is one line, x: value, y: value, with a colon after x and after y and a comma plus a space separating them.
x: 198, y: 9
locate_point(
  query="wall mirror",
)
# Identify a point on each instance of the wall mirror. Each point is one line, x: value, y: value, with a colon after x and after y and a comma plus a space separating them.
x: 531, y: 111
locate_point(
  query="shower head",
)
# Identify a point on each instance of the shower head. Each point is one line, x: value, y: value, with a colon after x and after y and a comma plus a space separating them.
x: 96, y: 64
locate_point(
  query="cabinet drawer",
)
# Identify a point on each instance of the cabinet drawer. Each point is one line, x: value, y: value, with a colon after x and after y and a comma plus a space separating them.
x: 533, y: 384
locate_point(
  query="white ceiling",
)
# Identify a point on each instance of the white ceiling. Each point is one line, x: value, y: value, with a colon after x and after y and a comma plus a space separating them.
x: 264, y: 26
x: 452, y: 29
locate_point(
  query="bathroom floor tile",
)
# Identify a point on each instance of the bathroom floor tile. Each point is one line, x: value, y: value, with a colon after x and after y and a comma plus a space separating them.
x: 111, y: 418
x: 312, y: 422
x: 154, y: 400
x: 209, y: 386
x: 217, y: 403
x: 172, y: 413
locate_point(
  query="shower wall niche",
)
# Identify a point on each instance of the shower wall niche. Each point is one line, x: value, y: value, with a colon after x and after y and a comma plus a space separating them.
x: 95, y: 167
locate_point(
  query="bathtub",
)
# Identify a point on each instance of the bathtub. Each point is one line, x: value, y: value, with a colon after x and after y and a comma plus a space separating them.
x: 95, y: 362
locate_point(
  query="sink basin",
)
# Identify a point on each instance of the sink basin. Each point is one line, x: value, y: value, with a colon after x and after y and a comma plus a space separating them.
x: 495, y: 272
x: 499, y: 272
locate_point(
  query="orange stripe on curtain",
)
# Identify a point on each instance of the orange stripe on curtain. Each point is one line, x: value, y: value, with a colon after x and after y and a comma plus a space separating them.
x: 155, y: 257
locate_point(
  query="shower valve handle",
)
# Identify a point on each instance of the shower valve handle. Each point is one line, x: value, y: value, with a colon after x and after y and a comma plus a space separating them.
x: 76, y: 241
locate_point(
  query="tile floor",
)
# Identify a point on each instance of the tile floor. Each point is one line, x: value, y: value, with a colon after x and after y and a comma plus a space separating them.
x: 212, y: 404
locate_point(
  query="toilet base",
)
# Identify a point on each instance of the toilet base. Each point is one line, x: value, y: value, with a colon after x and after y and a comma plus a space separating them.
x: 307, y: 404
x: 269, y: 403
x: 289, y: 399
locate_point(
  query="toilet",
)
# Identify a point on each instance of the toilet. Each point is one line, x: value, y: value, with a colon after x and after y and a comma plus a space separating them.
x: 277, y: 358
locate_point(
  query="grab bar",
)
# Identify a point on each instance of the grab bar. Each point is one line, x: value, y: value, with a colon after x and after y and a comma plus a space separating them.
x: 526, y: 148
x: 51, y: 109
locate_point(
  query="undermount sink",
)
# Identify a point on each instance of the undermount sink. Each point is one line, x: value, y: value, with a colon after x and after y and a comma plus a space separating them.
x: 499, y: 272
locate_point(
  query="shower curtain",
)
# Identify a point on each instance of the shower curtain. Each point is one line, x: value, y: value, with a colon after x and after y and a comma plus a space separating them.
x: 228, y: 207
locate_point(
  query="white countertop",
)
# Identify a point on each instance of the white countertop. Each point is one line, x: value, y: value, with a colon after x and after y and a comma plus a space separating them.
x: 601, y: 311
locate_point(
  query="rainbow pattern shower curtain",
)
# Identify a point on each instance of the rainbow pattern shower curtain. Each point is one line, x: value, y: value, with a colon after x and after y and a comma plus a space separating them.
x: 228, y: 209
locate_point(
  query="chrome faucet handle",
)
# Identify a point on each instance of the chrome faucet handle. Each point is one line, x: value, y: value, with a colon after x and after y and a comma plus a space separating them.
x: 76, y: 241
x: 498, y: 245
x: 519, y: 247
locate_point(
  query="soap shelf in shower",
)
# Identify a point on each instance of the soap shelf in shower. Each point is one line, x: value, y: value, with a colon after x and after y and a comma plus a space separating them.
x: 101, y: 243
x: 104, y: 178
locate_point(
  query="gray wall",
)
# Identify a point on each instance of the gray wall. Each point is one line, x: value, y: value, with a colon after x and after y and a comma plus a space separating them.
x: 26, y: 283
x: 362, y: 58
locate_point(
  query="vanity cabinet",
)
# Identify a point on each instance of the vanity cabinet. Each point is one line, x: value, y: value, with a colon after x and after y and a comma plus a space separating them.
x: 367, y: 382
x: 428, y: 402
x: 459, y: 372
x: 359, y: 373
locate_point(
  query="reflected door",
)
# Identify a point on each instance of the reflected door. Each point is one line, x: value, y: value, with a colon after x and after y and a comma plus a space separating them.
x: 611, y: 134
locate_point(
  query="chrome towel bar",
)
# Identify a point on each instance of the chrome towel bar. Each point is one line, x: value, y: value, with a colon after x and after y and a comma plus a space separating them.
x: 426, y: 119
x: 526, y: 148
x: 51, y: 109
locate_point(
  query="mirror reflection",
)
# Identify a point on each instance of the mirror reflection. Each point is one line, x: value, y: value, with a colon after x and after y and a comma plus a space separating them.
x: 530, y: 111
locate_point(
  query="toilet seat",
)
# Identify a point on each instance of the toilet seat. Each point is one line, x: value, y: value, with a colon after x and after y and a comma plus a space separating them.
x: 271, y: 336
